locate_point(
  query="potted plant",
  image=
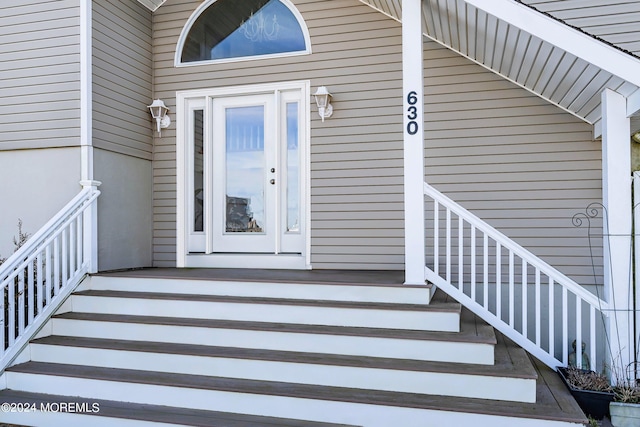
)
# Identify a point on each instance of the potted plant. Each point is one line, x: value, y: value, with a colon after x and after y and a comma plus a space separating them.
x: 591, y: 390
x: 625, y: 408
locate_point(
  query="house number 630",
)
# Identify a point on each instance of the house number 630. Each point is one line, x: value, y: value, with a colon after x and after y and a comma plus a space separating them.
x: 412, y: 110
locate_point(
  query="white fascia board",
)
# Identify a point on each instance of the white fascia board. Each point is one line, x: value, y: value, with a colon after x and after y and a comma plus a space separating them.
x: 564, y: 37
x: 152, y: 5
x: 633, y: 104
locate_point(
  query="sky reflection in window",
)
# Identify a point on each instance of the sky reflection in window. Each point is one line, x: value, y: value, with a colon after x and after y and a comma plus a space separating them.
x: 233, y: 29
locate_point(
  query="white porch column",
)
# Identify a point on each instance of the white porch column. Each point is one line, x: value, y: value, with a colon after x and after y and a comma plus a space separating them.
x: 413, y: 102
x: 616, y: 196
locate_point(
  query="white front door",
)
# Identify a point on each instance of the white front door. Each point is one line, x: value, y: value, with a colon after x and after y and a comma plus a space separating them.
x: 245, y: 192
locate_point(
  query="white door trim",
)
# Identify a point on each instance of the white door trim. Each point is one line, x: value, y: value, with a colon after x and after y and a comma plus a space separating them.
x: 183, y: 258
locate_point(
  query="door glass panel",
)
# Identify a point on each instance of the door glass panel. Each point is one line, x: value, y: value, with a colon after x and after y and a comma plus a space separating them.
x: 198, y: 170
x: 293, y: 169
x: 245, y: 170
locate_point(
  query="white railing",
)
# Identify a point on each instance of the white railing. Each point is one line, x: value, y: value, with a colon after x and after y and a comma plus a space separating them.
x: 520, y: 295
x: 39, y: 276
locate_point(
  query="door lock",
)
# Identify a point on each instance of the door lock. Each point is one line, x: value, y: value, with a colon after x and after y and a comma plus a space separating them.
x: 273, y: 170
x: 273, y: 181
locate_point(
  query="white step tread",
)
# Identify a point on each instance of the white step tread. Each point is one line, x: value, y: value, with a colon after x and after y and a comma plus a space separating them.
x: 156, y: 413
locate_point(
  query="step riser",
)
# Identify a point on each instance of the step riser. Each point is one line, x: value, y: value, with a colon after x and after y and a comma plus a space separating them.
x: 302, y: 373
x: 309, y: 315
x: 440, y: 351
x: 360, y: 293
x: 255, y: 404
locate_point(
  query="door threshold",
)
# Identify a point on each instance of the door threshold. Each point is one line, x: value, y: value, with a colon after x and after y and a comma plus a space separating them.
x: 234, y: 260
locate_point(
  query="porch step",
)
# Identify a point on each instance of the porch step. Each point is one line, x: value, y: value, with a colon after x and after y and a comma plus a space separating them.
x: 473, y: 344
x: 440, y: 317
x: 288, y: 286
x: 107, y: 413
x: 211, y: 354
x: 509, y: 379
x: 275, y: 399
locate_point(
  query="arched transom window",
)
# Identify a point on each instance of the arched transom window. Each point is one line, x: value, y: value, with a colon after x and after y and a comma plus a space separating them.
x: 232, y: 29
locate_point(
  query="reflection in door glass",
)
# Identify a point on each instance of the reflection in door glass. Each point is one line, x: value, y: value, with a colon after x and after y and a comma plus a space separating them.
x: 198, y: 170
x: 293, y: 169
x: 245, y: 169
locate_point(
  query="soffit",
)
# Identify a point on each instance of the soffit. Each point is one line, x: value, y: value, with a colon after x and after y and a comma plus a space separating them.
x: 500, y: 36
x: 152, y: 5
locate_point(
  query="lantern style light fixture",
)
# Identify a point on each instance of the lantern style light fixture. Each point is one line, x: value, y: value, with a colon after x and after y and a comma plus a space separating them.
x: 325, y: 109
x: 159, y: 112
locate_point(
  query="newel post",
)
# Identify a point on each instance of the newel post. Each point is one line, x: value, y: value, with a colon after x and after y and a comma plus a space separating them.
x: 90, y: 228
x: 413, y: 121
x: 616, y: 197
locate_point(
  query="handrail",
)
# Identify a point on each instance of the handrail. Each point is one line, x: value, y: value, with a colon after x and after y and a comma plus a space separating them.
x: 503, y: 283
x: 38, y: 277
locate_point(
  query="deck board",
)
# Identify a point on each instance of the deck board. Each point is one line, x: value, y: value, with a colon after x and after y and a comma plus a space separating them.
x: 338, y: 277
x: 163, y: 414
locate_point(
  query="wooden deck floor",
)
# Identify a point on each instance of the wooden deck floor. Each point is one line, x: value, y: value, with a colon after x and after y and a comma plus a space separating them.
x: 352, y: 277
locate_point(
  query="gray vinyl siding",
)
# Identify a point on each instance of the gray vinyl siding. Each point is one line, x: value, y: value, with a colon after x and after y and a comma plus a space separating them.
x: 122, y: 75
x: 517, y: 162
x: 615, y: 21
x: 40, y: 74
x: 505, y: 154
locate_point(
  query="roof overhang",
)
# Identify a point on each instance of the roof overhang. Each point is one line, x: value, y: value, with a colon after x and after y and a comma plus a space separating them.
x: 152, y: 5
x: 547, y: 57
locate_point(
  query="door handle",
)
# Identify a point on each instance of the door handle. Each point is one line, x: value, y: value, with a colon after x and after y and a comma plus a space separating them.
x: 273, y: 170
x: 273, y: 181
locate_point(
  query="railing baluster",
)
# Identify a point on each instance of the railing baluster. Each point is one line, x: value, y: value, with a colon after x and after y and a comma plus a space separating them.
x: 72, y: 248
x: 473, y: 263
x: 565, y: 327
x: 538, y: 320
x: 436, y: 237
x: 56, y: 265
x: 485, y: 254
x: 525, y: 291
x: 592, y: 337
x: 30, y: 288
x: 40, y: 276
x: 448, y: 245
x: 11, y: 311
x: 3, y: 313
x: 64, y: 257
x: 20, y: 303
x: 4, y: 297
x: 552, y: 331
x: 498, y: 281
x: 460, y: 254
x: 578, y: 332
x: 79, y: 248
x: 49, y: 274
x: 512, y: 297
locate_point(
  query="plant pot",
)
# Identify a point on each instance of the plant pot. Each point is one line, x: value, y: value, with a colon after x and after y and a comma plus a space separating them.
x: 594, y: 404
x: 625, y: 414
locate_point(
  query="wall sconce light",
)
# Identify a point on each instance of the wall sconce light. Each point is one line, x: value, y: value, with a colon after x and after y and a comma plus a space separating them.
x: 325, y: 109
x: 159, y: 112
x: 636, y: 137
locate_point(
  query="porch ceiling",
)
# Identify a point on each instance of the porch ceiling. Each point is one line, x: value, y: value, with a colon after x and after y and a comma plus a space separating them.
x: 556, y: 62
